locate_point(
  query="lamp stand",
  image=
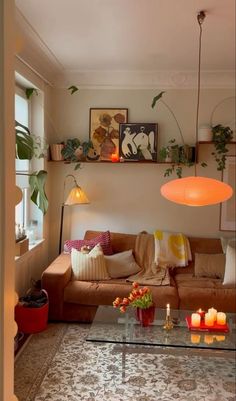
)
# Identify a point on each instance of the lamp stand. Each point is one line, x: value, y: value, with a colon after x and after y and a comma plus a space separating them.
x: 61, y: 226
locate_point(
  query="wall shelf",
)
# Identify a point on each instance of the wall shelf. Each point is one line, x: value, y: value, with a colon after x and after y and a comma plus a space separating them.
x: 109, y: 162
x: 210, y: 143
x: 136, y: 162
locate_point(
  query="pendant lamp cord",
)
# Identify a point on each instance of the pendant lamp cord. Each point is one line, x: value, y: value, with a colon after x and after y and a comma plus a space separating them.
x: 200, y: 17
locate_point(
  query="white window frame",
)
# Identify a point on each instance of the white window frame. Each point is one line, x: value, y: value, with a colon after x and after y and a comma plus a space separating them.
x: 30, y: 211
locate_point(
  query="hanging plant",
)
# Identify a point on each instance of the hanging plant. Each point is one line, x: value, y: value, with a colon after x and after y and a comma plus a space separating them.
x: 221, y: 137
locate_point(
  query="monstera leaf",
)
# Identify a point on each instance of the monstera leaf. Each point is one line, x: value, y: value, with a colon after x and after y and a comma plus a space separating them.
x: 26, y: 149
x: 24, y: 142
x: 37, y: 187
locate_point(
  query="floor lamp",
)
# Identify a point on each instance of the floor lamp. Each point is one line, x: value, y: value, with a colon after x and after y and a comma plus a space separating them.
x: 75, y: 197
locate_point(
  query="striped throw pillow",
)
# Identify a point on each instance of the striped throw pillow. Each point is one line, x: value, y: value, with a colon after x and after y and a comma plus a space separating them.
x: 89, y: 266
x: 104, y: 239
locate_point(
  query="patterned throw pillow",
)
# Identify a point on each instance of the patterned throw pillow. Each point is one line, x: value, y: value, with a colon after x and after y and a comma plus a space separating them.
x: 104, y: 239
x: 89, y: 266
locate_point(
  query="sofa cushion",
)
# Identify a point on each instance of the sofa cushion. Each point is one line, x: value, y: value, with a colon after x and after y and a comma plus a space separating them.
x: 121, y: 264
x: 89, y: 266
x: 230, y: 267
x: 199, y: 292
x: 209, y: 265
x: 227, y: 241
x: 104, y: 239
x: 104, y: 293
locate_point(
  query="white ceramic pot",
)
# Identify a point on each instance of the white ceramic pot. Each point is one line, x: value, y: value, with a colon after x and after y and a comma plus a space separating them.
x: 205, y: 133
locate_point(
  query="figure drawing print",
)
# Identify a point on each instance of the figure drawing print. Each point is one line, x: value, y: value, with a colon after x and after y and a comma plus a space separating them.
x: 138, y: 142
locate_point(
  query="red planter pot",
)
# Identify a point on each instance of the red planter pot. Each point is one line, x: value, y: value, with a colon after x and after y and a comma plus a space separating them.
x: 145, y: 316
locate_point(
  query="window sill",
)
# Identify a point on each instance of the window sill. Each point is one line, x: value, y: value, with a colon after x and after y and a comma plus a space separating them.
x: 31, y: 249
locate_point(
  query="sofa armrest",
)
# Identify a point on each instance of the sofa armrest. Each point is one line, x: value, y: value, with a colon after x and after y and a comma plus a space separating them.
x: 54, y: 280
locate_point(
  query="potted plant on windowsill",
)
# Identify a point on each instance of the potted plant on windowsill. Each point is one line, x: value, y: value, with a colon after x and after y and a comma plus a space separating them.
x: 29, y: 146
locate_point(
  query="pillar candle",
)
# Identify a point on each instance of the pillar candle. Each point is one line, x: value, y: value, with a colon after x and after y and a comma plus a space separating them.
x: 195, y: 320
x: 209, y: 319
x: 213, y: 312
x: 220, y: 338
x: 208, y: 339
x: 221, y: 318
x: 168, y: 310
x: 201, y: 313
x: 195, y: 338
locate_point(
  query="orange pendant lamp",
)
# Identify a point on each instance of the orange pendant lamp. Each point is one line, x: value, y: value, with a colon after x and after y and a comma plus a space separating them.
x: 197, y: 191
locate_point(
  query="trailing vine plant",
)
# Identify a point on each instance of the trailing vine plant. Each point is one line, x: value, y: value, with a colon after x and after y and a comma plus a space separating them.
x: 221, y: 137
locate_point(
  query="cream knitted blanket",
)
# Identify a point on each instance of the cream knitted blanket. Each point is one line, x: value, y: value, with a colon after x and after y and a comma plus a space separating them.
x: 151, y: 273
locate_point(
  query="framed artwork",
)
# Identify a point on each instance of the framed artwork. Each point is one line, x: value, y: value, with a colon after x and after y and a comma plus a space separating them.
x: 104, y: 125
x: 227, y: 209
x: 138, y: 142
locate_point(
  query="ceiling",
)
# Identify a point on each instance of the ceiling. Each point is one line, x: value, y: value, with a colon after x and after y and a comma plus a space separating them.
x: 133, y: 35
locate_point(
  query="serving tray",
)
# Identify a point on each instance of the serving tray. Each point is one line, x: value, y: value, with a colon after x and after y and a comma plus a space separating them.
x: 217, y: 327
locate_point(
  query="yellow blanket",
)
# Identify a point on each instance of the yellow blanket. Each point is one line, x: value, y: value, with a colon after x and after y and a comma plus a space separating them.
x: 171, y: 249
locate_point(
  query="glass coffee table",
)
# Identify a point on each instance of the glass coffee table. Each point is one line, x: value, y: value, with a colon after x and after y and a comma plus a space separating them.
x: 128, y: 336
x: 110, y: 325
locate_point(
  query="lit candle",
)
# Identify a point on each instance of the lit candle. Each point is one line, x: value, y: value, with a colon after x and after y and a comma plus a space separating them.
x: 195, y: 320
x: 221, y: 318
x: 168, y: 310
x: 195, y: 338
x: 209, y: 319
x: 220, y: 338
x: 122, y: 159
x: 208, y: 339
x: 213, y: 312
x: 114, y: 157
x: 201, y: 313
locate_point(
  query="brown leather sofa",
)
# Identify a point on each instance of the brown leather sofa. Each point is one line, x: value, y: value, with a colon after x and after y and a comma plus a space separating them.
x: 78, y: 300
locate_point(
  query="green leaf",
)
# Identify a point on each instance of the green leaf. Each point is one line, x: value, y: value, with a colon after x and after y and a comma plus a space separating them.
x: 72, y: 89
x: 24, y: 142
x: 156, y: 98
x: 29, y: 92
x: 37, y: 187
x: 77, y: 166
x: 203, y: 164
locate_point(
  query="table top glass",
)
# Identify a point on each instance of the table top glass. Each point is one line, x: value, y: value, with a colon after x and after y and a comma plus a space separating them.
x: 110, y: 325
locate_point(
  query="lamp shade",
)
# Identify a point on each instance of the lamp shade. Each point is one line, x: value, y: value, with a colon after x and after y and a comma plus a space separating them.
x: 76, y: 197
x: 196, y: 191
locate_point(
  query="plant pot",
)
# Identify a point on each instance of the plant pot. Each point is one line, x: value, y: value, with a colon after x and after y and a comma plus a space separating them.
x: 205, y: 133
x: 55, y: 150
x: 145, y: 316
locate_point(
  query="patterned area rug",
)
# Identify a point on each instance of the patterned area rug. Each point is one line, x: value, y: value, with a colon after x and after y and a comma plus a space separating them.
x: 59, y: 365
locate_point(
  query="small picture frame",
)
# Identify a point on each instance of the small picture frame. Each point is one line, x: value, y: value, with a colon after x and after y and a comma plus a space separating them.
x: 104, y: 128
x: 227, y: 209
x: 138, y: 142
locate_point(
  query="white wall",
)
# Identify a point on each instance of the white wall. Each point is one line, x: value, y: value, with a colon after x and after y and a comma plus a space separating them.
x: 7, y: 201
x: 126, y: 197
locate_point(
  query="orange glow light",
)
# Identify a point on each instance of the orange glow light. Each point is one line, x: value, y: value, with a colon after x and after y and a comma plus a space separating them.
x: 196, y: 191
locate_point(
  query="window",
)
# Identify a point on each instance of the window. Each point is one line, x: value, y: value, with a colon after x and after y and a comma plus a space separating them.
x: 27, y: 215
